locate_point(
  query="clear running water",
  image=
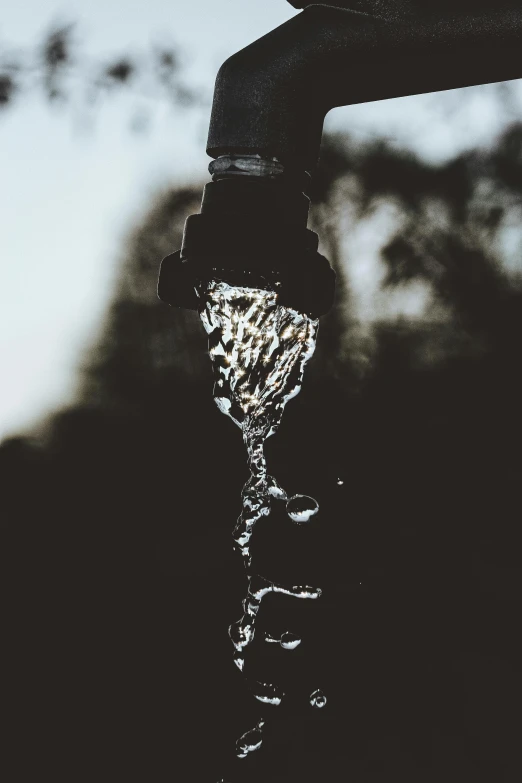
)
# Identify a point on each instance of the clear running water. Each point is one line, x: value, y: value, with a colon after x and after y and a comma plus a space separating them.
x: 259, y: 350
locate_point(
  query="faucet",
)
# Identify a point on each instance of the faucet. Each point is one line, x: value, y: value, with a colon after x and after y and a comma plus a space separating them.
x: 267, y: 118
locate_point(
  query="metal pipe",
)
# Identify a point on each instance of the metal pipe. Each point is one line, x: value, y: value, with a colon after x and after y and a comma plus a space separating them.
x: 269, y: 106
x: 271, y: 98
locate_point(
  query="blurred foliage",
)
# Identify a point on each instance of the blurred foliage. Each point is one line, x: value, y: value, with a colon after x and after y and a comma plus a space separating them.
x: 58, y: 68
x: 56, y: 58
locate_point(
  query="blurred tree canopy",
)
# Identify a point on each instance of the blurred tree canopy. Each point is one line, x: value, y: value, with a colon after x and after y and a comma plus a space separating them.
x: 58, y: 69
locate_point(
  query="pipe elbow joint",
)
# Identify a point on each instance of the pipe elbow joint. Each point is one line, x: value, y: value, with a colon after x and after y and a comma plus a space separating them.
x: 267, y: 97
x: 272, y: 96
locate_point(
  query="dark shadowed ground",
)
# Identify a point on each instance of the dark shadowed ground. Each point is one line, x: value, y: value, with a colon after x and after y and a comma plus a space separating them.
x: 120, y: 579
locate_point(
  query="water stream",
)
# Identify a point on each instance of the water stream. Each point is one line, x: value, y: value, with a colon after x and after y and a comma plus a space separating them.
x: 259, y: 350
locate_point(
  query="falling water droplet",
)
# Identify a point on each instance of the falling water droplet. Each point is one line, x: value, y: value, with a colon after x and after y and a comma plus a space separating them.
x: 250, y: 741
x: 301, y: 507
x: 289, y: 641
x: 267, y: 693
x: 271, y: 639
x: 317, y: 699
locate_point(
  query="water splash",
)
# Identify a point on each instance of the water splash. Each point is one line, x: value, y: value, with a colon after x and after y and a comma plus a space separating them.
x: 242, y: 631
x: 259, y: 350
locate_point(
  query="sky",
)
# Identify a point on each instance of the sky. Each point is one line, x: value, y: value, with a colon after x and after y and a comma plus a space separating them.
x: 70, y: 191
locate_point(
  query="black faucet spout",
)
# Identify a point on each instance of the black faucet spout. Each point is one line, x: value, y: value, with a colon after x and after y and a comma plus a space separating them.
x: 271, y: 97
x: 270, y: 102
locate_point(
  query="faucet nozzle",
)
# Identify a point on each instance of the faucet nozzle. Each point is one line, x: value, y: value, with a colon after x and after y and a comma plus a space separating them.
x: 252, y: 232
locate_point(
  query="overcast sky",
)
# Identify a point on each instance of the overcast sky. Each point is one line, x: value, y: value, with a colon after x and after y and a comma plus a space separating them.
x: 68, y: 194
